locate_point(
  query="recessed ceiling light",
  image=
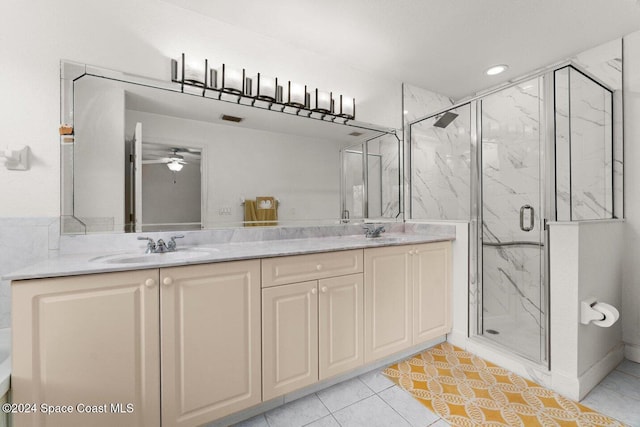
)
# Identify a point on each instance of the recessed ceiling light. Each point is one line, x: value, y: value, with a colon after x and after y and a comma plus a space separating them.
x: 497, y: 69
x: 406, y: 111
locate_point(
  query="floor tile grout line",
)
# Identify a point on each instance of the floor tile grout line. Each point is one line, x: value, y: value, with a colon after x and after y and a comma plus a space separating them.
x: 323, y: 417
x: 357, y: 401
x: 335, y: 419
x: 351, y: 404
x: 383, y: 375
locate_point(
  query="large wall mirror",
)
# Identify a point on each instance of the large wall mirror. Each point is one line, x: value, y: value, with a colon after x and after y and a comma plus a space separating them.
x: 145, y: 156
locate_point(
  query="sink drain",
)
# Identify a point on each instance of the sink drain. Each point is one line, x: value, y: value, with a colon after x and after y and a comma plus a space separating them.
x: 492, y: 331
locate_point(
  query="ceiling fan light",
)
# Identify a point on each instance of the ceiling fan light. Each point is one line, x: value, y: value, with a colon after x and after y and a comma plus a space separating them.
x: 175, y: 166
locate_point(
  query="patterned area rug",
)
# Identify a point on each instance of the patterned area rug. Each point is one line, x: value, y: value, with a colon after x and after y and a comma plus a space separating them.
x: 466, y: 391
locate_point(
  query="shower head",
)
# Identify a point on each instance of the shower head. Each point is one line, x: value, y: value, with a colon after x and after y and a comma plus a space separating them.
x: 445, y: 119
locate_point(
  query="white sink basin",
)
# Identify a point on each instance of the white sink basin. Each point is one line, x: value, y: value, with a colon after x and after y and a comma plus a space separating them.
x: 137, y: 258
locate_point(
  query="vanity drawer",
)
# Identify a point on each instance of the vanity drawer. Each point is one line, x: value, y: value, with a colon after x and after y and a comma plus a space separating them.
x: 301, y: 268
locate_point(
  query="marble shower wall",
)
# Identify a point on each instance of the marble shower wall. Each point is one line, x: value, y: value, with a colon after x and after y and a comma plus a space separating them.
x: 417, y: 103
x: 441, y: 168
x: 584, y: 147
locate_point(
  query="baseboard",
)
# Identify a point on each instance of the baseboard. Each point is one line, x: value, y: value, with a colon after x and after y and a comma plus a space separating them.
x: 632, y: 352
x: 601, y: 369
x: 577, y: 388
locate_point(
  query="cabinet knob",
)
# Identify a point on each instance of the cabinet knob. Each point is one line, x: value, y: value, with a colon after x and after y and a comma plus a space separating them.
x: 167, y: 281
x: 319, y: 267
x: 314, y: 291
x: 324, y: 289
x: 149, y: 283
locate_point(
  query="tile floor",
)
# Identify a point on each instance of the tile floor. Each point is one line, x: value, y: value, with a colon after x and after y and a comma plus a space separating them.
x: 618, y: 395
x: 368, y: 400
x: 373, y: 400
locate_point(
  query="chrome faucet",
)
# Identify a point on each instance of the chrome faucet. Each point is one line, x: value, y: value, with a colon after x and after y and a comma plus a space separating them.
x: 171, y: 246
x: 371, y: 230
x: 161, y: 246
x: 151, y: 245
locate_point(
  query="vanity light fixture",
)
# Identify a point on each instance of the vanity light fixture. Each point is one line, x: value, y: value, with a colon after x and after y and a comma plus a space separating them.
x: 191, y: 72
x: 496, y: 69
x: 233, y: 80
x: 248, y: 91
x: 347, y: 107
x: 297, y: 95
x: 322, y: 102
x: 175, y: 166
x: 266, y: 88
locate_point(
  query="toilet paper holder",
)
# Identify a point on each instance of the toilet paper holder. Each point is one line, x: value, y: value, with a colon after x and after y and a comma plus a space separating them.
x: 600, y: 313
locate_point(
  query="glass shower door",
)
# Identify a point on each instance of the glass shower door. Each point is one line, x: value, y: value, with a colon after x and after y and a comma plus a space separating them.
x: 511, y: 237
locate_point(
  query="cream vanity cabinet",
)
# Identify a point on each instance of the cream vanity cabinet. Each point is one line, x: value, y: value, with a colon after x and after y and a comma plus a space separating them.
x: 312, y: 319
x: 120, y: 338
x: 89, y: 340
x: 210, y: 341
x: 407, y: 296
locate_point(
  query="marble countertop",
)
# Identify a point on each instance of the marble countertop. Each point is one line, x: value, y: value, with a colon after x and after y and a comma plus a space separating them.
x: 70, y: 265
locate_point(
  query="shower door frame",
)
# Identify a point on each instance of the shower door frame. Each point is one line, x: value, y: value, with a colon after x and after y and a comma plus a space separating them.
x: 547, y: 209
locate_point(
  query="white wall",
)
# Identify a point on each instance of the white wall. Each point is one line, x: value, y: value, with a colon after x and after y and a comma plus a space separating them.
x: 585, y: 261
x: 631, y: 269
x: 138, y: 37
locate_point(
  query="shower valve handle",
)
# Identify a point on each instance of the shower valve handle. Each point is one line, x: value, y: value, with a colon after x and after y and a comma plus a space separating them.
x: 531, y: 217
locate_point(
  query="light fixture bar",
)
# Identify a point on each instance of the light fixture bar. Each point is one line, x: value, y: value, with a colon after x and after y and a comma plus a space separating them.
x: 233, y: 81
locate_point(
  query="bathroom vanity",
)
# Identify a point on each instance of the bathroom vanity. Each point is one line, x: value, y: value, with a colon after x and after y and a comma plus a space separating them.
x: 139, y: 344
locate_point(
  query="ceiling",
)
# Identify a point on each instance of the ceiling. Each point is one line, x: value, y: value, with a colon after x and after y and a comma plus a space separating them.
x: 441, y: 45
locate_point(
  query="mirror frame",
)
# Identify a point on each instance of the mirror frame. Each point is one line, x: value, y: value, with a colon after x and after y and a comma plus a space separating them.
x: 71, y: 71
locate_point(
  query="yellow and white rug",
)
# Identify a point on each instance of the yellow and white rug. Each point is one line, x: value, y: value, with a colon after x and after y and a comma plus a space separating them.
x: 466, y: 390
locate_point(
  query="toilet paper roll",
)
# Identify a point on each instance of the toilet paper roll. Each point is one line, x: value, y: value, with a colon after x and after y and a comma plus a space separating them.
x: 611, y: 314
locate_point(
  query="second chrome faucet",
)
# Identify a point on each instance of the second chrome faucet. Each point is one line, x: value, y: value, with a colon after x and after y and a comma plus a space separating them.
x: 160, y: 246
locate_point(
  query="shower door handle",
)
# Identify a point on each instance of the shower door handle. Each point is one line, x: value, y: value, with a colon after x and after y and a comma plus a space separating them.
x: 531, y: 217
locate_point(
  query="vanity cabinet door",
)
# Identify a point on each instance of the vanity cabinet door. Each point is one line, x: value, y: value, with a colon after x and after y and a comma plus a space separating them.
x: 340, y: 329
x: 431, y: 291
x: 210, y: 335
x: 90, y: 342
x: 388, y: 294
x: 289, y: 338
